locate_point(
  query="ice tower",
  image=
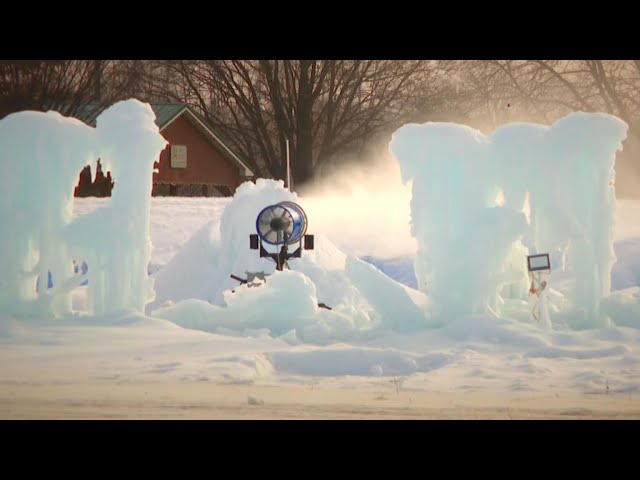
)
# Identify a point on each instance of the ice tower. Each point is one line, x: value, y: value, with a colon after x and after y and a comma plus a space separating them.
x: 40, y: 158
x: 469, y: 195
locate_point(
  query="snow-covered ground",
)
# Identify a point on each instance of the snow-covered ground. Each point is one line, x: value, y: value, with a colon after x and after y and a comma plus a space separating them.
x: 478, y: 354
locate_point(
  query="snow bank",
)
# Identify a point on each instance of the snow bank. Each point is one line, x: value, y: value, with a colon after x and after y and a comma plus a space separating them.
x: 364, y: 301
x: 346, y: 360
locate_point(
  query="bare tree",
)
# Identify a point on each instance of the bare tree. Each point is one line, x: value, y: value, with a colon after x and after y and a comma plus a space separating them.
x: 498, y: 91
x: 61, y: 85
x: 323, y: 107
x: 544, y: 90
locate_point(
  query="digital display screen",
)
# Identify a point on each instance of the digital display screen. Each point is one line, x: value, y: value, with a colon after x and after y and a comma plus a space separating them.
x: 539, y: 262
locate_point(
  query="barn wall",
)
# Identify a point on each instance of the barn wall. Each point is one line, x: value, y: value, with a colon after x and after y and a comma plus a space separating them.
x: 205, y: 163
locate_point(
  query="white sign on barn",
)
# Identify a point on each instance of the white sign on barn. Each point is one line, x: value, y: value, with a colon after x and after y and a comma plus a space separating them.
x: 178, y: 156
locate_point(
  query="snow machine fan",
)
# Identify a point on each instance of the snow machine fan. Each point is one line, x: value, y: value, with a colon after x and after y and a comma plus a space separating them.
x: 282, y: 224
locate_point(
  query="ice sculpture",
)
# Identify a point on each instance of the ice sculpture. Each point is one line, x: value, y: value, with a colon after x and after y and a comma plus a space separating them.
x: 40, y: 158
x: 469, y: 197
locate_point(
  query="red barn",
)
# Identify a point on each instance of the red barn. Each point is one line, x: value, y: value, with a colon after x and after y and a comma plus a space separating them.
x: 196, y: 162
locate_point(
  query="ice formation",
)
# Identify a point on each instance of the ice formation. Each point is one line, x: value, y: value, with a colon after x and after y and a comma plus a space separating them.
x: 470, y: 196
x: 130, y: 143
x: 479, y: 205
x: 41, y: 156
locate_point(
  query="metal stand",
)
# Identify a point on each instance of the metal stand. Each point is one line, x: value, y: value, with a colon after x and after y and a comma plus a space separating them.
x: 541, y: 304
x: 281, y: 258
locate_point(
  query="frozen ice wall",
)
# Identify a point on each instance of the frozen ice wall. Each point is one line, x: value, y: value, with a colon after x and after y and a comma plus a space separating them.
x: 469, y: 198
x: 41, y: 157
x: 114, y: 240
x: 575, y: 215
x: 456, y: 217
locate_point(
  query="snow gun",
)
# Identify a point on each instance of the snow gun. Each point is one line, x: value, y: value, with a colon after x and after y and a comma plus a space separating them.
x: 281, y: 225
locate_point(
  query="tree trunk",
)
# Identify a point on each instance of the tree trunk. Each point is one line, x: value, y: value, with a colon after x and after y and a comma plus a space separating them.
x: 303, y: 159
x: 97, y: 81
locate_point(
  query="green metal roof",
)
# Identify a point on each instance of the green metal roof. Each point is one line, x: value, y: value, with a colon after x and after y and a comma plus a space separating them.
x: 165, y: 112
